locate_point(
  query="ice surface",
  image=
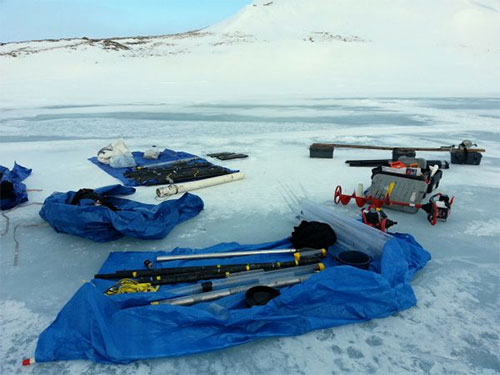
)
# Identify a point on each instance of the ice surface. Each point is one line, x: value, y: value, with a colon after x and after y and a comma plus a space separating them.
x: 453, y: 329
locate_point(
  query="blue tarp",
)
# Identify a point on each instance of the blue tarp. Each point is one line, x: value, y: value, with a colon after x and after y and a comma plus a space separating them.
x: 132, y: 219
x: 166, y: 155
x: 124, y: 328
x: 18, y: 194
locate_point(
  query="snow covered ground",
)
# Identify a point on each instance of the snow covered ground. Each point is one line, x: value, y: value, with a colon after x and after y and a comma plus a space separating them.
x: 454, y: 327
x: 277, y: 48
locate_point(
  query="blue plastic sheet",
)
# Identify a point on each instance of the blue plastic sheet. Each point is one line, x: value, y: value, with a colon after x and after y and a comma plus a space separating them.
x: 18, y: 194
x: 132, y: 219
x: 124, y: 328
x: 165, y: 156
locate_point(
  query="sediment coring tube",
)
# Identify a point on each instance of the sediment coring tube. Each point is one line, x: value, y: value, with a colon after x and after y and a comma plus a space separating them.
x: 351, y: 233
x: 244, y: 278
x: 172, y: 189
x: 210, y: 296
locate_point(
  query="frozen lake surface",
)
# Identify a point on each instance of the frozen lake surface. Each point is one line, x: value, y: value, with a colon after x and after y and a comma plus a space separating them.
x: 454, y: 329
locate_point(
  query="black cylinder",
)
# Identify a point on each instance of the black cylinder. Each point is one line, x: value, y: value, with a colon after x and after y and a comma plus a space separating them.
x: 354, y: 258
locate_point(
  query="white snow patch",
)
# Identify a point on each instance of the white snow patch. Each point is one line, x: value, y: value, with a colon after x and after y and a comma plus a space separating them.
x: 484, y: 228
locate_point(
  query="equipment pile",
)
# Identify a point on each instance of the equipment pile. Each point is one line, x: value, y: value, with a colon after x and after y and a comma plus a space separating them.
x: 332, y: 269
x: 180, y: 171
x: 401, y: 183
x: 465, y: 153
x: 283, y: 288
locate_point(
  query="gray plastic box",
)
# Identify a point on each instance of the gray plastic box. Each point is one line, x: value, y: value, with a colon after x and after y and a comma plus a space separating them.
x: 405, y: 190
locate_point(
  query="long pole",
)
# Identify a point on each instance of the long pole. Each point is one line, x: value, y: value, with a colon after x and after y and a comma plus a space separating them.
x: 158, y: 273
x: 231, y: 254
x: 221, y: 274
x: 443, y: 164
x: 369, y: 147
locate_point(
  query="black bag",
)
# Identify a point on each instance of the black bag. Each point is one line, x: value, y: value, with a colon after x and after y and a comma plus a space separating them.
x: 92, y: 195
x: 314, y: 235
x: 6, y: 190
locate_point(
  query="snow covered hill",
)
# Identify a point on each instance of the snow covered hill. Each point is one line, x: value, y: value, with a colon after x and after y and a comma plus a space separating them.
x: 275, y: 48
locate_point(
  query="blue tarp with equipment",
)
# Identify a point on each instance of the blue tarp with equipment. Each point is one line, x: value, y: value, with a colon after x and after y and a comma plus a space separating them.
x: 125, y: 327
x: 107, y: 217
x: 13, y: 190
x: 165, y: 156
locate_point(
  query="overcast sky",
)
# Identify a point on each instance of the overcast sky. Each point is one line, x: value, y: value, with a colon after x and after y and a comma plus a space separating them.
x: 53, y: 19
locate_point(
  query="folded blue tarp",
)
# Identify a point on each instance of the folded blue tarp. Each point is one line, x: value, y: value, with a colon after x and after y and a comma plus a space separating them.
x: 132, y: 219
x: 165, y: 156
x: 13, y: 190
x: 124, y: 328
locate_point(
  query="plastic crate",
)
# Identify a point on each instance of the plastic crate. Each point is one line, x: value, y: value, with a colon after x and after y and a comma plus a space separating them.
x: 462, y: 156
x: 324, y: 152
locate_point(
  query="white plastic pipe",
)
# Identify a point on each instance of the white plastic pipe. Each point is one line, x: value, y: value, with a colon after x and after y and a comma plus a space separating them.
x: 172, y: 189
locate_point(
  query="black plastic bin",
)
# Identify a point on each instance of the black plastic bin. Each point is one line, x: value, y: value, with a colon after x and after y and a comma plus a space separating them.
x: 462, y: 156
x: 324, y: 152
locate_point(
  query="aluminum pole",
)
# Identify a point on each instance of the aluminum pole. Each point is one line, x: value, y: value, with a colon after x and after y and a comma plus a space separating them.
x: 167, y: 258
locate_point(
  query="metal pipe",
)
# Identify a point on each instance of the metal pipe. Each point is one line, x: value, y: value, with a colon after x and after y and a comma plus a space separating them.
x: 229, y: 254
